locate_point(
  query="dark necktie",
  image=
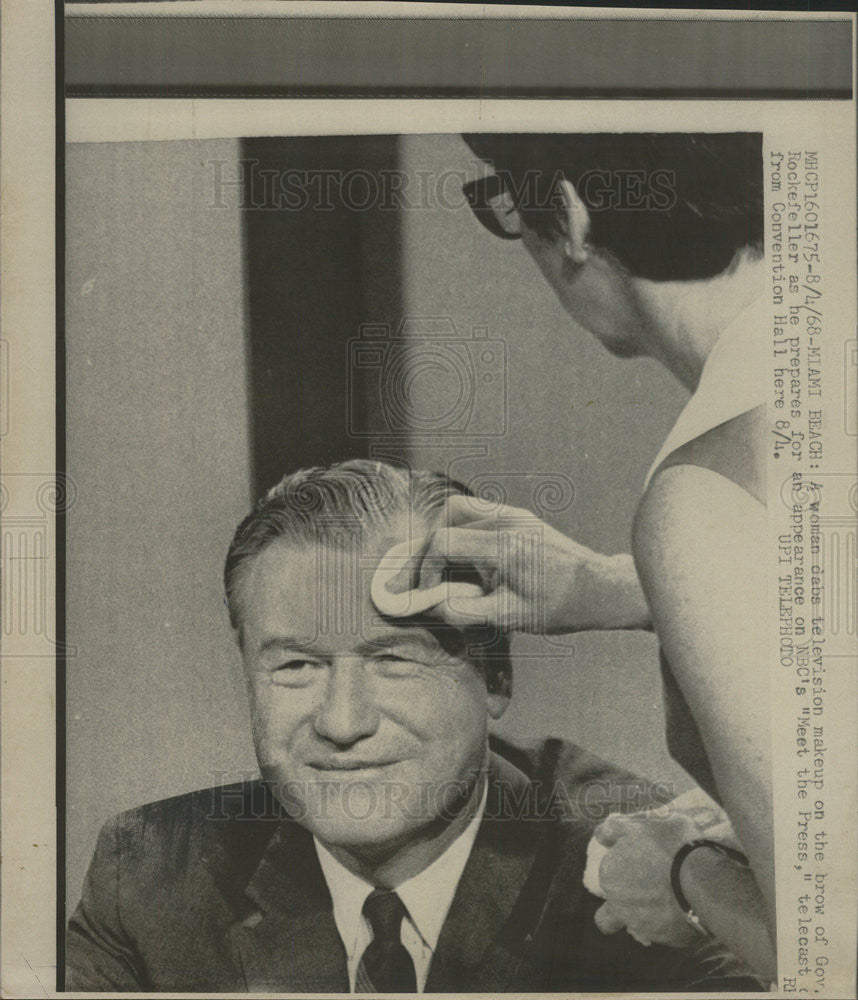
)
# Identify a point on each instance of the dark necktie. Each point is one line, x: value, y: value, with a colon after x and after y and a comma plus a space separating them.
x: 385, y: 966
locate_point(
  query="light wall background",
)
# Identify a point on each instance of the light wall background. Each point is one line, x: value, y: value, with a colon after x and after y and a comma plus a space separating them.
x: 157, y: 432
x: 159, y: 426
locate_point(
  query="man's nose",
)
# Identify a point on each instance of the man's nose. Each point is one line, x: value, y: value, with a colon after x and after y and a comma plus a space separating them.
x: 347, y: 712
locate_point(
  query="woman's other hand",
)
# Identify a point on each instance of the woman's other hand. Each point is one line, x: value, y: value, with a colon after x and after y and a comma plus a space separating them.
x: 634, y: 877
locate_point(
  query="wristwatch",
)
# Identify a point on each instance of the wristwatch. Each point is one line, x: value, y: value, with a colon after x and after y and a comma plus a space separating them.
x: 676, y: 885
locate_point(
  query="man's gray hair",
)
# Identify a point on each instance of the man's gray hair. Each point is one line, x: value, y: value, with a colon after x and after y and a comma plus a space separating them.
x: 333, y: 505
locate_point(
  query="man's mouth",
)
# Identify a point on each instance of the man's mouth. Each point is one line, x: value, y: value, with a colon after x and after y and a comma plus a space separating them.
x: 349, y: 764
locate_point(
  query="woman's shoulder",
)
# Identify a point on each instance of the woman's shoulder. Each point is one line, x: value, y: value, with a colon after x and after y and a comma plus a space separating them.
x: 705, y: 500
x: 733, y: 449
x: 721, y: 425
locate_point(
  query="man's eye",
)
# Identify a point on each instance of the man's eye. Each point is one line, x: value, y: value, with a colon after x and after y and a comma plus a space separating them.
x: 411, y: 658
x: 292, y: 672
x: 394, y: 665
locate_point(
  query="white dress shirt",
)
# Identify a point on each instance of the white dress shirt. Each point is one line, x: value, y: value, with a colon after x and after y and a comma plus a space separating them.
x: 426, y: 896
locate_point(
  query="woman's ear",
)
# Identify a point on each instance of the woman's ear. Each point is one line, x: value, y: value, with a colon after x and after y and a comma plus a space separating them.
x: 576, y: 224
x: 497, y: 703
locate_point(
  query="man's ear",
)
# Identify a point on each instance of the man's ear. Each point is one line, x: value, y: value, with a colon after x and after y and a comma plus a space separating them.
x: 576, y: 224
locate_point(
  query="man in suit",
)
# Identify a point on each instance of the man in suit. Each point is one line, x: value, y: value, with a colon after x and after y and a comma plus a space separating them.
x: 390, y: 846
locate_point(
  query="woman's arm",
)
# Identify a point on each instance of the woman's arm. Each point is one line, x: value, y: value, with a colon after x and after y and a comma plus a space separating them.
x: 699, y: 545
x: 728, y: 902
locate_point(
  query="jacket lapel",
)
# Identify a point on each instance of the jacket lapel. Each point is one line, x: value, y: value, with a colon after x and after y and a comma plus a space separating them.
x: 494, y: 908
x: 289, y: 943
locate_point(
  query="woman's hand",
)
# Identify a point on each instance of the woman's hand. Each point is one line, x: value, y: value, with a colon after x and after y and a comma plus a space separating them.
x: 634, y: 877
x: 489, y: 564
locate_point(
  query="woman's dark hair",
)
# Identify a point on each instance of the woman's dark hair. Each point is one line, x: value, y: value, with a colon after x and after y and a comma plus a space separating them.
x: 668, y: 206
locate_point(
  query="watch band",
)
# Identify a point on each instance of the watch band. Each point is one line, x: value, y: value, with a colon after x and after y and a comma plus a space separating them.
x: 675, y: 884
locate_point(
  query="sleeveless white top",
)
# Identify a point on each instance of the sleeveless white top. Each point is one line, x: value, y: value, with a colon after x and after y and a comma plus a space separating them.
x: 732, y: 381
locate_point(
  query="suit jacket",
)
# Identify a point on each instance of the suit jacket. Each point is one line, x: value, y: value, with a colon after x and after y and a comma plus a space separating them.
x: 219, y: 891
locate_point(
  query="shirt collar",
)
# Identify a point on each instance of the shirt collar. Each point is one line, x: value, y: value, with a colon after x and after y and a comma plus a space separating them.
x: 348, y: 893
x: 427, y: 896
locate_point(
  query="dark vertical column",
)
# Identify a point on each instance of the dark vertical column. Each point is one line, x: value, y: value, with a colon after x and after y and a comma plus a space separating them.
x: 321, y: 258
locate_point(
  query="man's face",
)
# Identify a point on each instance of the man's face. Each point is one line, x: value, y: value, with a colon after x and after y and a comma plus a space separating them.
x: 371, y: 733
